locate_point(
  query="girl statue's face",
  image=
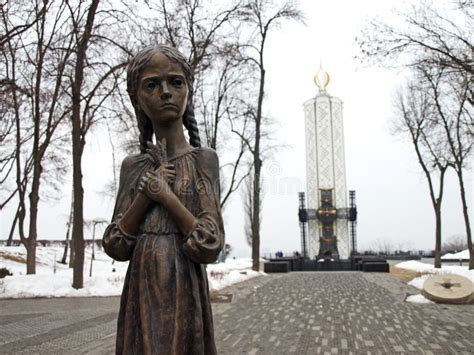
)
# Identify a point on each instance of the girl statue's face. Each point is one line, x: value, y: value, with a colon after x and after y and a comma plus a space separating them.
x: 162, y: 92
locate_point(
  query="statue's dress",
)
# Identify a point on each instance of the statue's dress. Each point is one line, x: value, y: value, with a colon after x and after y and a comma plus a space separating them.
x: 165, y: 306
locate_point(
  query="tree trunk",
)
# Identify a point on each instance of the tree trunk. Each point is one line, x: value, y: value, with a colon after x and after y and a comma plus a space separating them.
x: 256, y: 219
x: 68, y: 231
x: 78, y: 222
x: 257, y: 173
x: 72, y: 253
x: 21, y: 189
x: 437, y: 260
x: 12, y: 229
x: 78, y: 143
x: 66, y: 247
x: 466, y: 218
x: 437, y: 208
x: 436, y: 202
x: 33, y: 230
x: 31, y: 256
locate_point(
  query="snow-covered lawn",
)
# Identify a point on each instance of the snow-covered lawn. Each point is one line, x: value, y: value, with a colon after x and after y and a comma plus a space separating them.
x: 428, y: 270
x: 53, y: 279
x: 463, y: 255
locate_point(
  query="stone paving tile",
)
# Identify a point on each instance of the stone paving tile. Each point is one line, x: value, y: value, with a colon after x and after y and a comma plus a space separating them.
x: 296, y: 313
x: 55, y: 326
x: 317, y: 313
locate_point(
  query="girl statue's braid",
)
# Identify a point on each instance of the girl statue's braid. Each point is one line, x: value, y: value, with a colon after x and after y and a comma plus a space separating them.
x: 189, y: 122
x: 146, y: 131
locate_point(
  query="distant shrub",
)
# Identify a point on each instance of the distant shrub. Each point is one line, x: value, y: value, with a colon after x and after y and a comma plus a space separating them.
x: 4, y: 272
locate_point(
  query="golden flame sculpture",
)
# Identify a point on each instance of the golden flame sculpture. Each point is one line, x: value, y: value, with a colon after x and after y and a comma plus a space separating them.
x: 321, y: 79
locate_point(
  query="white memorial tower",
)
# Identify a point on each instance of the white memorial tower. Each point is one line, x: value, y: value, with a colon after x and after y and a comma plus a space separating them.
x: 328, y: 225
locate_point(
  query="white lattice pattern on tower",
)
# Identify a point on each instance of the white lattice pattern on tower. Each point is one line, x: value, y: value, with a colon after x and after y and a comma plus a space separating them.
x: 323, y: 143
x: 311, y: 173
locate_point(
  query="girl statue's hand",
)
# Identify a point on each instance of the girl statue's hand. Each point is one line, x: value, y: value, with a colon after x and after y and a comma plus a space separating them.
x: 156, y: 184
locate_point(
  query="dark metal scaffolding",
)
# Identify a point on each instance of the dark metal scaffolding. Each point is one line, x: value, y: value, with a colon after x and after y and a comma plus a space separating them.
x: 353, y: 221
x: 303, y: 218
x: 322, y: 215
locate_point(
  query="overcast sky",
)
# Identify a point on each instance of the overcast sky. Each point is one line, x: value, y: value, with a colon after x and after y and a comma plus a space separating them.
x: 392, y: 194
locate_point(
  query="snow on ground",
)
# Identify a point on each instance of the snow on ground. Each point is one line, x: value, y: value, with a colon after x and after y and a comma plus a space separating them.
x: 53, y: 279
x: 414, y: 266
x: 419, y: 281
x: 418, y: 266
x: 230, y: 272
x: 418, y: 299
x: 463, y: 255
x: 427, y: 270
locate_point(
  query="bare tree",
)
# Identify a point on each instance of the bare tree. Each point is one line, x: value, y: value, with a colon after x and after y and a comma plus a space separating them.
x: 77, y: 143
x: 36, y: 71
x: 12, y: 100
x: 454, y: 115
x: 439, y: 43
x: 44, y: 83
x: 223, y: 112
x: 262, y: 16
x: 12, y: 137
x: 101, y: 58
x: 454, y: 244
x: 416, y: 118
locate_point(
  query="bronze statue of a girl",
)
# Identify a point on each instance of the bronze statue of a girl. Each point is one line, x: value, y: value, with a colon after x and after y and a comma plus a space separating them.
x: 167, y: 219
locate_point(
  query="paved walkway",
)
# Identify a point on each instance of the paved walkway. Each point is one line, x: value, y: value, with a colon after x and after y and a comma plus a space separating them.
x: 304, y: 313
